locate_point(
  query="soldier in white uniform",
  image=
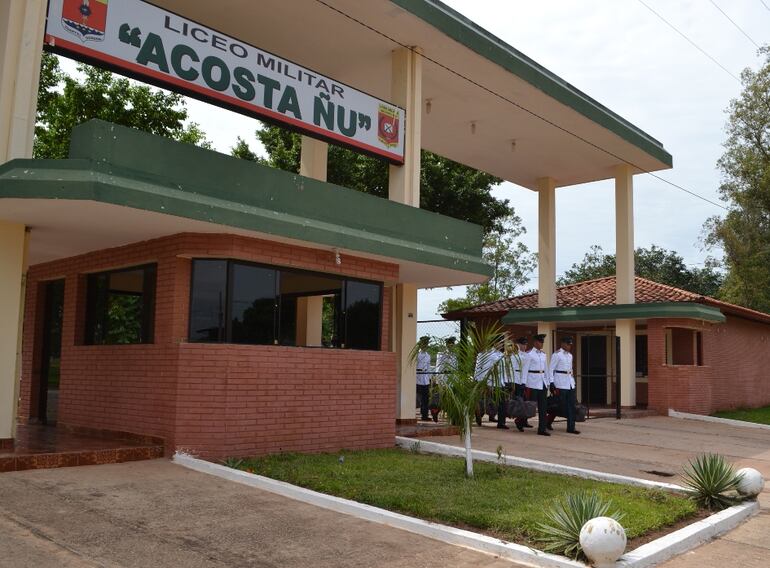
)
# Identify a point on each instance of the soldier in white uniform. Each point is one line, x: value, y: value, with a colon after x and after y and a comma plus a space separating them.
x: 537, y: 378
x: 423, y: 377
x: 484, y: 362
x: 519, y: 389
x: 508, y: 379
x: 564, y: 382
x: 446, y: 361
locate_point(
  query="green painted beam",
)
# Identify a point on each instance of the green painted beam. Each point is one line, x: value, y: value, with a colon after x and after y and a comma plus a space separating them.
x: 126, y: 167
x: 477, y: 39
x: 690, y: 310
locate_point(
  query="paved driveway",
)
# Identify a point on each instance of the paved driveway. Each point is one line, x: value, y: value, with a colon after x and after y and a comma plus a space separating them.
x: 157, y: 514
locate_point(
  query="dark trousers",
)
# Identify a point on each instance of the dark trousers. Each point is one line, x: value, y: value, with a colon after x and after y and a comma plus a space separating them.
x: 423, y: 397
x: 502, y: 406
x: 567, y: 401
x: 541, y: 396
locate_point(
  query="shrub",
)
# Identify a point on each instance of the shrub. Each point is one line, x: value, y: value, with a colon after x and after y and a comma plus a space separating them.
x: 561, y: 532
x: 710, y: 477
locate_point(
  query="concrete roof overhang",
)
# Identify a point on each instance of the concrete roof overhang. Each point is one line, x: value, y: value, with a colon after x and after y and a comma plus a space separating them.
x: 688, y: 310
x: 468, y: 74
x: 123, y: 186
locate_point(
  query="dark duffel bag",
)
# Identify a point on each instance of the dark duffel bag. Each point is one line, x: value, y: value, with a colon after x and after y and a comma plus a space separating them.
x: 491, y: 406
x: 520, y: 408
x: 435, y: 401
x: 555, y: 406
x: 581, y: 413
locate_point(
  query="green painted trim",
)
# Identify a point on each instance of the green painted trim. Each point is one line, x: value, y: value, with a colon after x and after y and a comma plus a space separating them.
x: 477, y: 39
x: 125, y: 167
x: 689, y: 310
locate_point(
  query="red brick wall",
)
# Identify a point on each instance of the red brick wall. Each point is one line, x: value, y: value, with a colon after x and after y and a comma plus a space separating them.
x: 732, y: 374
x: 213, y: 399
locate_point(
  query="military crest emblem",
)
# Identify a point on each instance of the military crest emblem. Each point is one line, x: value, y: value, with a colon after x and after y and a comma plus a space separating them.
x: 86, y: 19
x: 388, y: 123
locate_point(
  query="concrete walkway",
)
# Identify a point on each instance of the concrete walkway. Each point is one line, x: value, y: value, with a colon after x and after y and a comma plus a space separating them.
x: 158, y: 514
x: 640, y: 446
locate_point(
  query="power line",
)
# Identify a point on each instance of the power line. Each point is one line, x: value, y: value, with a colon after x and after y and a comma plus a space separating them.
x: 691, y: 42
x: 765, y: 5
x: 518, y: 105
x: 740, y: 29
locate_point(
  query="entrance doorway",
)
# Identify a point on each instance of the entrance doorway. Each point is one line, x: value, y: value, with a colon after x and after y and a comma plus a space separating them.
x: 48, y: 396
x: 593, y: 369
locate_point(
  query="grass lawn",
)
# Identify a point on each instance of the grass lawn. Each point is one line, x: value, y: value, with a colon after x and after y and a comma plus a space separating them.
x: 758, y: 415
x: 506, y: 502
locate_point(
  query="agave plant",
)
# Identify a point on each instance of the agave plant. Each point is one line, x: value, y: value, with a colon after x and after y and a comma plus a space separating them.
x: 561, y: 532
x: 461, y: 389
x: 711, y: 477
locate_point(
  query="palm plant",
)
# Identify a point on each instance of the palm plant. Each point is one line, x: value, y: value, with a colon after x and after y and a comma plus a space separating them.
x: 561, y: 533
x: 711, y: 477
x: 461, y: 390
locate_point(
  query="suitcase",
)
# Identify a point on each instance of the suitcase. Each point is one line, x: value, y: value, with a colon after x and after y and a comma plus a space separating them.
x: 520, y: 408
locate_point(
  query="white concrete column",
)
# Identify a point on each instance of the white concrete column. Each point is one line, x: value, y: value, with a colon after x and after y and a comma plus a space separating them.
x: 624, y: 271
x: 21, y: 43
x: 13, y: 244
x: 624, y: 234
x: 404, y: 187
x: 625, y: 329
x: 313, y: 159
x: 546, y: 242
x: 406, y: 92
x: 546, y: 256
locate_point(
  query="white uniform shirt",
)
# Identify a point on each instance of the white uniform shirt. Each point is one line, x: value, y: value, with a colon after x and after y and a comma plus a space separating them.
x: 484, y: 362
x: 517, y: 360
x: 561, y: 370
x: 446, y: 362
x: 423, y: 364
x: 535, y: 370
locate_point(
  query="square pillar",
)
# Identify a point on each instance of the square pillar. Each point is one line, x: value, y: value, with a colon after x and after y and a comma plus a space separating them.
x: 13, y: 246
x: 404, y: 187
x: 313, y: 158
x: 625, y: 329
x: 22, y: 24
x: 624, y: 272
x: 310, y: 321
x: 546, y: 242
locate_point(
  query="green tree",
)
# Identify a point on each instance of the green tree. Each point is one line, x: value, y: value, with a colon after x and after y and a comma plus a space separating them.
x: 744, y: 233
x: 654, y: 263
x: 446, y: 187
x: 511, y: 262
x: 65, y: 101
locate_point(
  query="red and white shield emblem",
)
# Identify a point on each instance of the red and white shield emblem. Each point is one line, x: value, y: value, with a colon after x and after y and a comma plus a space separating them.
x: 387, y: 125
x: 87, y: 19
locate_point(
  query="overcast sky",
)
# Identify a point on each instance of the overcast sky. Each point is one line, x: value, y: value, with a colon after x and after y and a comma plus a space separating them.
x: 622, y: 55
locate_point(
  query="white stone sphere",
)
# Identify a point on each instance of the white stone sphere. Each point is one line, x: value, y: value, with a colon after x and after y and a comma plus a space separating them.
x: 751, y: 482
x: 603, y: 540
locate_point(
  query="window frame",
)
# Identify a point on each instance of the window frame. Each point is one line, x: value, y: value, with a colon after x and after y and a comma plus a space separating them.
x: 149, y: 290
x: 342, y: 324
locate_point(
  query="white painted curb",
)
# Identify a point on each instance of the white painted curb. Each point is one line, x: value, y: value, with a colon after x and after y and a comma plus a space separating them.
x: 715, y: 419
x: 422, y: 445
x: 689, y: 537
x: 510, y: 551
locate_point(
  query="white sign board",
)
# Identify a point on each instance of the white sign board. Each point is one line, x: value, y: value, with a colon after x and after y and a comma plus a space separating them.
x: 166, y: 49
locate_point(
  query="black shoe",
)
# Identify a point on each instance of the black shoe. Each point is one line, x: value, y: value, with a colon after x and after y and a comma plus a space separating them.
x: 493, y: 418
x: 478, y: 420
x: 424, y: 418
x: 435, y: 418
x: 539, y: 433
x: 573, y: 431
x: 549, y: 426
x: 528, y: 425
x: 503, y: 427
x: 520, y: 427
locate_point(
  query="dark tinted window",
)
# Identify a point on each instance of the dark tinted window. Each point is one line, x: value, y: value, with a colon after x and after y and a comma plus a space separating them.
x: 252, y: 304
x: 208, y: 300
x: 120, y: 306
x: 363, y: 305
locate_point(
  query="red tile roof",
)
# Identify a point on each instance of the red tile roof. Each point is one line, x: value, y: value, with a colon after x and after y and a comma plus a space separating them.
x: 601, y: 292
